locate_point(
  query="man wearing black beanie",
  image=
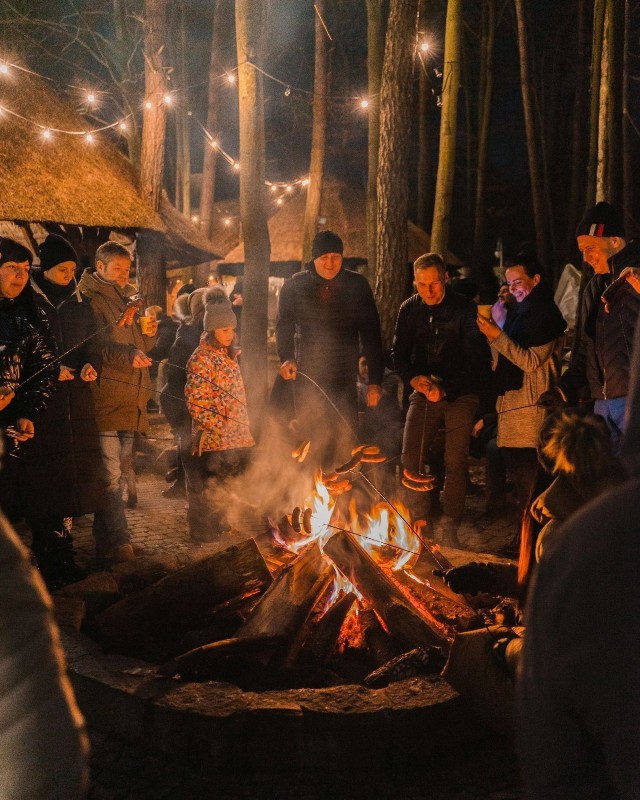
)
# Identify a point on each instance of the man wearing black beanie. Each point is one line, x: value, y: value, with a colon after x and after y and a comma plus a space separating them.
x: 326, y: 317
x: 601, y: 358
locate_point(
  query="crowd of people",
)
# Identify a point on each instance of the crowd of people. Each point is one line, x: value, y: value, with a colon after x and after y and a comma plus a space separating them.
x: 76, y: 361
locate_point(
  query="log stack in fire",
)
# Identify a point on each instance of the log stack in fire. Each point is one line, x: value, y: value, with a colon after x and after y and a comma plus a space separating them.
x: 328, y: 595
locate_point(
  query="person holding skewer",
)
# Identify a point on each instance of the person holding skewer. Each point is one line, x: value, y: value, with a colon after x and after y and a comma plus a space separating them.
x: 327, y: 317
x: 65, y: 457
x: 221, y: 436
x: 27, y: 363
x: 121, y: 392
x: 440, y: 354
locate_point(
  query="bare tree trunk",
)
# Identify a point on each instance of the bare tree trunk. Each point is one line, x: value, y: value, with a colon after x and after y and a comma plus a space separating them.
x: 425, y: 106
x: 375, y: 55
x: 209, y: 161
x: 183, y: 118
x: 594, y: 112
x: 578, y: 153
x: 250, y: 24
x: 603, y: 179
x: 393, y: 160
x: 151, y: 273
x: 448, y: 129
x: 627, y: 139
x: 537, y: 188
x: 318, y: 135
x: 489, y: 23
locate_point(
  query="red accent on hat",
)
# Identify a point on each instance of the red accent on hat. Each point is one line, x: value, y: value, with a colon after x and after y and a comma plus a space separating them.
x: 600, y: 229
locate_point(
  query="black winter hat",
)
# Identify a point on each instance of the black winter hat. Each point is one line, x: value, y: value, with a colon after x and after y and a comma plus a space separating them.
x: 10, y: 250
x: 54, y: 250
x: 602, y: 220
x: 326, y: 242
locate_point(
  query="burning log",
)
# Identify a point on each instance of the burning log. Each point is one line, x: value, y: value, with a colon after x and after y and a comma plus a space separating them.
x: 286, y: 604
x: 402, y: 620
x: 317, y: 644
x: 222, y: 621
x: 421, y: 661
x: 450, y: 609
x: 381, y: 647
x: 161, y: 614
x: 240, y: 661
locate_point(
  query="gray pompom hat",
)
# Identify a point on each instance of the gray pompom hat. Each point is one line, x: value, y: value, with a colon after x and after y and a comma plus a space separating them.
x: 218, y: 312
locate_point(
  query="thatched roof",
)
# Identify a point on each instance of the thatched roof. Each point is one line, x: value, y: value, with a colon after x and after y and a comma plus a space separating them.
x: 184, y: 244
x: 343, y: 210
x: 225, y: 229
x: 63, y: 180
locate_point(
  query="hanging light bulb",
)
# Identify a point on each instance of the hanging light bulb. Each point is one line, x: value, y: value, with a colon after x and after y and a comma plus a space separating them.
x: 91, y: 98
x: 236, y: 166
x: 287, y: 91
x: 227, y: 221
x: 167, y: 99
x: 305, y: 181
x: 46, y: 134
x: 364, y: 103
x: 288, y: 188
x: 148, y: 104
x: 90, y: 138
x: 280, y: 201
x: 231, y: 77
x: 123, y: 126
x: 424, y: 46
x: 214, y: 144
x: 4, y: 69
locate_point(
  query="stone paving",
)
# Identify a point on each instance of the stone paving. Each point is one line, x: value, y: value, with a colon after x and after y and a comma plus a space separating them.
x: 121, y: 771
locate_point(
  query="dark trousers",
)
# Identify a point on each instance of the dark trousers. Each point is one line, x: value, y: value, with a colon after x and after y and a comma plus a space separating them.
x: 522, y: 466
x: 424, y: 419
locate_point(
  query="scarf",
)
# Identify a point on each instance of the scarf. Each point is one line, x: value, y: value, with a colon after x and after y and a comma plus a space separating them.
x: 533, y: 322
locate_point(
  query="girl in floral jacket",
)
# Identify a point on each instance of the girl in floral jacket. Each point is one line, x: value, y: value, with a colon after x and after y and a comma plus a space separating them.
x: 217, y: 403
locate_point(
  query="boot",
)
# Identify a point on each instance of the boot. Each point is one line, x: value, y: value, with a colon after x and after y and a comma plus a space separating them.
x: 54, y: 555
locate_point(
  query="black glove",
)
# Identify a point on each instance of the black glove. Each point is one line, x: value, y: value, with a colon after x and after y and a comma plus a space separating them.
x: 551, y: 400
x: 470, y: 578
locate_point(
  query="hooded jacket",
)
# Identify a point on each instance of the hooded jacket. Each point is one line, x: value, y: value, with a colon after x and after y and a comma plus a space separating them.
x: 121, y: 392
x: 323, y: 323
x: 601, y: 361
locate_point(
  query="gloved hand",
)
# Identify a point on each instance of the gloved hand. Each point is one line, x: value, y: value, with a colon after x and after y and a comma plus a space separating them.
x: 470, y: 578
x: 551, y: 399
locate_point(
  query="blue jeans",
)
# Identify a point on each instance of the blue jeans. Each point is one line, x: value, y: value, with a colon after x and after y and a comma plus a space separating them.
x: 110, y: 527
x: 613, y: 412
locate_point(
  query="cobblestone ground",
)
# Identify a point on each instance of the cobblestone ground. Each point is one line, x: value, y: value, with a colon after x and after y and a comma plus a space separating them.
x: 120, y: 771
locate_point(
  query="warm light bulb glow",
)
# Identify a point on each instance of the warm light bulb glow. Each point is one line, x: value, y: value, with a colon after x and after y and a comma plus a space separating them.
x: 288, y: 188
x: 364, y: 104
x: 195, y: 218
x: 123, y: 126
x: 90, y: 138
x: 46, y: 133
x: 236, y: 166
x: 273, y: 187
x: 305, y: 181
x: 231, y: 77
x: 167, y: 99
x: 424, y: 47
x: 4, y: 69
x: 148, y: 104
x: 91, y: 98
x: 227, y: 221
x: 279, y: 201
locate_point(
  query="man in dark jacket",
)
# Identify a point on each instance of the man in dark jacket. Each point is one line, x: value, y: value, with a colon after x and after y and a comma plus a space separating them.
x: 439, y: 352
x: 326, y: 314
x: 27, y: 360
x: 600, y: 361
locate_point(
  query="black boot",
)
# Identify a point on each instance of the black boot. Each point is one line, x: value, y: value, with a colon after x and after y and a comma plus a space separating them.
x: 53, y: 551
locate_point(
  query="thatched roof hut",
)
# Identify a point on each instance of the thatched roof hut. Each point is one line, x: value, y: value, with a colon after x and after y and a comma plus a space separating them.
x: 343, y: 210
x: 67, y: 181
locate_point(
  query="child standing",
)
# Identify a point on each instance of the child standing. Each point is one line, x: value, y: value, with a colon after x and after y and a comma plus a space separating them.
x: 216, y: 400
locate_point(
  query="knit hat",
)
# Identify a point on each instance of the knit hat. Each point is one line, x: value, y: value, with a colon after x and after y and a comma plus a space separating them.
x: 326, y: 242
x: 195, y: 303
x: 218, y: 312
x: 10, y: 250
x: 602, y: 220
x: 54, y: 250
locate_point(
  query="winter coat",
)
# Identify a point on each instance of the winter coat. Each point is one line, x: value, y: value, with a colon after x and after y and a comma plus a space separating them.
x: 537, y: 366
x: 165, y: 337
x: 172, y: 399
x: 27, y: 353
x: 578, y: 694
x: 601, y: 361
x: 444, y: 341
x: 325, y: 325
x: 121, y: 392
x: 216, y: 400
x: 63, y: 461
x: 43, y: 746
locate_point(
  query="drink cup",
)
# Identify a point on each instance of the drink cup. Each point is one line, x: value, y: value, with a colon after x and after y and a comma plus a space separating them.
x: 146, y: 323
x: 485, y: 311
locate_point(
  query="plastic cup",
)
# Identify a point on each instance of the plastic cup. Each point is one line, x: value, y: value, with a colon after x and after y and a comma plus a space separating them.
x: 146, y: 323
x: 485, y: 311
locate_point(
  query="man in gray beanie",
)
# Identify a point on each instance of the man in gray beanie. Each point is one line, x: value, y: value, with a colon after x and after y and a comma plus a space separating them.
x: 601, y: 357
x: 326, y: 315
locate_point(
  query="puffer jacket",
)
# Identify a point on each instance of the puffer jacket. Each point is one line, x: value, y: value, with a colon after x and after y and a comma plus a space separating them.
x: 602, y: 360
x: 121, y: 392
x: 43, y: 745
x: 172, y: 399
x: 27, y: 354
x: 322, y: 324
x: 444, y: 341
